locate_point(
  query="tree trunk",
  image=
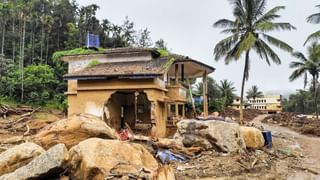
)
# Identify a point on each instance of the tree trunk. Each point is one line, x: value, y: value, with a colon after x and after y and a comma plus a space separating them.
x: 47, y: 48
x: 22, y: 58
x: 41, y: 43
x: 3, y: 37
x: 242, y: 86
x: 14, y: 40
x: 315, y: 95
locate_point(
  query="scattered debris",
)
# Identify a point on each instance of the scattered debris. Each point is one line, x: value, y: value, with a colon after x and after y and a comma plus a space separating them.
x: 298, y: 123
x: 167, y: 156
x: 249, y: 114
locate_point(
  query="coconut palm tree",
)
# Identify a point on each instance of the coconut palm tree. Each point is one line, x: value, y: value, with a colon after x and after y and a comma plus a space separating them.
x: 254, y: 93
x: 309, y: 64
x: 227, y: 90
x: 249, y: 32
x: 315, y: 19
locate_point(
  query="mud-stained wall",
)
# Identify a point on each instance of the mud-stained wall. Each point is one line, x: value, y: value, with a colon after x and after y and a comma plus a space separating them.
x: 159, y: 112
x: 91, y: 97
x: 90, y: 102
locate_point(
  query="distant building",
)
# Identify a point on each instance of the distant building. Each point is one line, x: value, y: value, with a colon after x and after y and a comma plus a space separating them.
x: 269, y: 104
x: 236, y: 104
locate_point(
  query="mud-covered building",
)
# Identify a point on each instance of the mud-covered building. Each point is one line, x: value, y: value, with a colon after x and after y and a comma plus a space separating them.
x: 142, y: 88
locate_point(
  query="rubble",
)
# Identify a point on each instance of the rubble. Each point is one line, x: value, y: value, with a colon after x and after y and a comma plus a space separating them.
x: 110, y: 158
x: 218, y: 135
x: 48, y: 164
x: 6, y: 110
x: 295, y: 122
x: 249, y: 114
x: 18, y: 156
x: 73, y: 130
x: 253, y: 137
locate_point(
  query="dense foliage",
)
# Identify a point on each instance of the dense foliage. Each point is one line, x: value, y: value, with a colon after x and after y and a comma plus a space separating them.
x: 31, y: 31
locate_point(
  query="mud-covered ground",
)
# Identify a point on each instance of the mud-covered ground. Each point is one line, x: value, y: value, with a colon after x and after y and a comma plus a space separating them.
x: 293, y: 156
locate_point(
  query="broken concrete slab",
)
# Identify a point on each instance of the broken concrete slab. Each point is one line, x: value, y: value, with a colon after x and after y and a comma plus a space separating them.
x: 48, y: 164
x: 110, y: 158
x: 18, y: 156
x: 252, y: 136
x: 218, y: 135
x: 73, y: 130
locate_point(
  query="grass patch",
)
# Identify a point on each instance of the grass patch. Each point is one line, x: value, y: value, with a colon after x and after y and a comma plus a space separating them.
x: 163, y: 52
x: 78, y: 51
x: 93, y: 63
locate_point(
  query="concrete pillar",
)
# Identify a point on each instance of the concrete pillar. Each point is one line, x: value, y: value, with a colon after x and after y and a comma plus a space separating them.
x: 177, y: 109
x: 205, y: 94
x: 183, y: 111
x: 176, y: 71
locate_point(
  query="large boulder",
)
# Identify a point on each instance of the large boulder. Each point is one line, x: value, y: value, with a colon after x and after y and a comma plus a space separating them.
x: 48, y: 164
x: 252, y: 136
x: 73, y: 130
x: 218, y: 135
x: 18, y: 156
x: 110, y: 158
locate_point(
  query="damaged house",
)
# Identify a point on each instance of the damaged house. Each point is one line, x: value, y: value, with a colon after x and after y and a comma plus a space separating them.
x: 142, y: 88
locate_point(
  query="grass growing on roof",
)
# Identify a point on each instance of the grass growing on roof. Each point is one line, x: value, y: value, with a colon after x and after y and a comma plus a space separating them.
x: 93, y: 63
x: 163, y: 52
x: 78, y: 51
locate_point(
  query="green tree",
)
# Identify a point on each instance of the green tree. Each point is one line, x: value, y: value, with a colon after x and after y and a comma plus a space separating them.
x: 315, y: 19
x: 161, y: 44
x: 39, y: 84
x: 254, y: 93
x: 227, y: 90
x: 305, y: 65
x: 144, y: 39
x: 249, y: 32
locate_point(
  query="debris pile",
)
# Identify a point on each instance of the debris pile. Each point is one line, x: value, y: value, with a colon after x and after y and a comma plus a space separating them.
x: 85, y: 147
x: 6, y: 110
x: 249, y: 114
x: 298, y: 123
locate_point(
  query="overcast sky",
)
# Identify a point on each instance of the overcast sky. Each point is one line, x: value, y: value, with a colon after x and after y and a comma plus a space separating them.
x: 186, y: 26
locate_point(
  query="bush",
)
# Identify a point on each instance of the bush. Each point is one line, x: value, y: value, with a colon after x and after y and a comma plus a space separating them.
x: 39, y: 84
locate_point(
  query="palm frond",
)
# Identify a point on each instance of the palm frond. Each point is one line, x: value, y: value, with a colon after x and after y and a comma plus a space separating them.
x: 259, y: 8
x: 261, y: 52
x: 277, y: 42
x: 297, y: 74
x: 270, y: 15
x: 299, y: 55
x: 274, y: 57
x: 269, y: 26
x: 246, y: 44
x: 224, y: 46
x: 313, y: 37
x: 224, y: 23
x: 314, y: 18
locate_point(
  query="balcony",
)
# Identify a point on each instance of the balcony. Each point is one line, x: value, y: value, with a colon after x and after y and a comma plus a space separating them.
x: 177, y: 92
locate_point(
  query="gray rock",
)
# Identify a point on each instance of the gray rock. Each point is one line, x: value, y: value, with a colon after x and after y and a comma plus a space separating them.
x: 49, y: 163
x: 218, y: 135
x: 18, y: 156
